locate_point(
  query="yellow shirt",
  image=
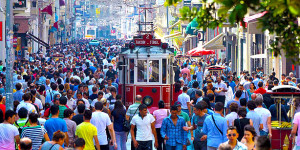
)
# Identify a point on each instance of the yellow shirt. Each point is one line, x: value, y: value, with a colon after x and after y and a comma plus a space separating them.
x: 192, y: 69
x: 87, y: 131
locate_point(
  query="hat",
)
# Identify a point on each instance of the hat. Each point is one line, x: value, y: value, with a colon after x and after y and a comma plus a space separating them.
x: 103, y: 100
x: 177, y: 103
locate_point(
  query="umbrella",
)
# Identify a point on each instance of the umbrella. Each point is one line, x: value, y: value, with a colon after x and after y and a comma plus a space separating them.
x: 190, y: 52
x: 203, y: 52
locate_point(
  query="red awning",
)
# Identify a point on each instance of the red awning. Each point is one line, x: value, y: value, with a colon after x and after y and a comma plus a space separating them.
x: 253, y: 17
x: 200, y: 52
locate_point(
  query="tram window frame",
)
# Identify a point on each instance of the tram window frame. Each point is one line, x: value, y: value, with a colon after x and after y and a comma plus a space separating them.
x: 164, y: 69
x: 131, y: 73
x: 153, y: 68
x: 140, y: 71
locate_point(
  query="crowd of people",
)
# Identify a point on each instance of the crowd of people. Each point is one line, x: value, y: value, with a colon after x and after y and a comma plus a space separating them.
x: 69, y: 99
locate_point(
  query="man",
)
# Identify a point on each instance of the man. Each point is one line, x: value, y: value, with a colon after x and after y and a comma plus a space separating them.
x: 172, y: 131
x: 215, y: 127
x: 200, y: 142
x: 25, y: 144
x: 184, y: 99
x: 80, y: 97
x: 94, y: 95
x: 186, y: 72
x: 101, y: 120
x: 198, y: 96
x: 257, y: 121
x: 290, y: 82
x: 192, y: 81
x: 55, y: 123
x: 192, y: 91
x: 256, y: 80
x: 199, y: 74
x: 185, y: 79
x: 111, y: 73
x: 260, y: 89
x: 220, y: 89
x: 184, y: 115
x: 263, y: 143
x: 27, y: 103
x: 70, y: 100
x: 79, y: 144
x: 50, y: 93
x: 9, y: 133
x: 231, y: 83
x: 247, y: 83
x: 265, y: 116
x: 244, y: 92
x: 145, y: 128
x: 88, y: 132
x: 37, y: 101
x: 62, y: 106
x: 236, y: 99
x: 232, y: 136
x: 112, y: 98
x: 19, y: 93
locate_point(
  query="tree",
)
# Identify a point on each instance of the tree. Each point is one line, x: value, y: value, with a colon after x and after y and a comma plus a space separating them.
x: 280, y: 19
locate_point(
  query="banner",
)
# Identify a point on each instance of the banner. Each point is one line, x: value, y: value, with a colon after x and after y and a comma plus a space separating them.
x: 1, y: 31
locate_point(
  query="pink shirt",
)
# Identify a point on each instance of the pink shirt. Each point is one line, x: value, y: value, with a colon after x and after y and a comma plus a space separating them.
x: 297, y: 122
x: 160, y: 115
x: 187, y: 71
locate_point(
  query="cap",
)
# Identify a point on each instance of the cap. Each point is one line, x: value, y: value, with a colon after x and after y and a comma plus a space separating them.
x: 103, y: 100
x: 177, y: 103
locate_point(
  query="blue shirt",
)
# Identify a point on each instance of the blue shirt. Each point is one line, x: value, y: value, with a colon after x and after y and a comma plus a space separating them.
x: 197, y: 122
x: 232, y: 101
x: 199, y: 75
x: 50, y: 95
x: 256, y: 119
x: 54, y: 124
x: 214, y: 137
x: 18, y: 95
x: 175, y: 133
x: 190, y: 85
x: 255, y: 81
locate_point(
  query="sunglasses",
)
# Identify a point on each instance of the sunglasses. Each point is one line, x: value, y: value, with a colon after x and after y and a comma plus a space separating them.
x: 232, y: 135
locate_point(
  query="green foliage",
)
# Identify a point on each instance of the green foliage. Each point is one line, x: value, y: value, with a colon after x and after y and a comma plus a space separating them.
x: 280, y: 19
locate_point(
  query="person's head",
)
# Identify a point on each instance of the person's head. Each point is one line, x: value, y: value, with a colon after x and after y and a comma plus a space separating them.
x: 184, y: 89
x: 161, y: 104
x: 195, y: 85
x: 10, y: 116
x: 81, y: 108
x: 211, y: 97
x: 18, y: 86
x: 252, y: 86
x: 68, y: 113
x: 23, y: 112
x: 27, y: 97
x: 143, y: 110
x: 219, y: 107
x: 241, y: 87
x: 263, y: 143
x: 99, y: 106
x: 63, y: 100
x: 54, y: 109
x: 59, y: 137
x: 200, y: 107
x: 291, y: 74
x: 238, y: 94
x: 224, y: 146
x: 87, y: 115
x: 174, y: 111
x: 69, y: 93
x: 198, y: 94
x: 259, y: 101
x: 251, y: 105
x: 249, y: 133
x: 232, y: 134
x: 234, y: 107
x: 79, y: 144
x: 138, y: 98
x: 25, y: 143
x: 178, y: 105
x: 33, y: 118
x: 242, y: 112
x: 219, y: 79
x: 260, y: 84
x: 243, y: 102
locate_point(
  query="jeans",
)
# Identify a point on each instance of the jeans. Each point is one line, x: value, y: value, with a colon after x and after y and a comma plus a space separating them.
x: 145, y: 145
x: 200, y: 145
x: 212, y: 148
x: 177, y: 147
x: 160, y: 140
x: 262, y: 132
x: 121, y: 140
x: 104, y: 147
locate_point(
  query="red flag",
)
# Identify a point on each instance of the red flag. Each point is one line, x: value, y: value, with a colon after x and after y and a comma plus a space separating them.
x: 55, y: 25
x: 61, y: 3
x: 48, y: 10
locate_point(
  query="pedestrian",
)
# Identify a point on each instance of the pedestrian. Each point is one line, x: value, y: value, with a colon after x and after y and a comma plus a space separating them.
x: 78, y: 118
x: 9, y: 133
x: 184, y: 99
x: 101, y: 120
x: 79, y: 144
x: 232, y: 136
x: 56, y: 143
x: 241, y: 122
x: 233, y: 114
x: 19, y: 93
x: 145, y: 125
x: 265, y: 117
x: 62, y: 106
x: 25, y: 144
x: 236, y: 99
x: 159, y: 116
x: 71, y: 126
x: 27, y: 103
x: 215, y: 127
x: 260, y: 89
x: 35, y: 132
x: 263, y: 143
x: 172, y: 131
x: 118, y: 118
x: 220, y: 89
x: 257, y: 121
x: 249, y: 136
x: 88, y: 132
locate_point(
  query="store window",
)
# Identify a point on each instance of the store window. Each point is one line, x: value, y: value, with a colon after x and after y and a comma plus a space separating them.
x: 142, y: 70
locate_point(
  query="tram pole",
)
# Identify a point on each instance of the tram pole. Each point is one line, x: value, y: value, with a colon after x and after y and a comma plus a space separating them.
x: 9, y: 55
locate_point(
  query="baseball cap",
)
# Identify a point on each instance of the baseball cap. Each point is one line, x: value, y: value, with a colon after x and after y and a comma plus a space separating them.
x: 177, y: 103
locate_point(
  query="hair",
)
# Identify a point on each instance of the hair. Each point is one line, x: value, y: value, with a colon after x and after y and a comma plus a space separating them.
x: 142, y: 107
x: 263, y: 143
x: 79, y: 142
x: 243, y: 102
x: 260, y: 84
x: 251, y: 105
x: 177, y: 87
x: 174, y: 107
x: 233, y: 107
x: 33, y: 117
x: 232, y: 128
x: 18, y: 86
x: 63, y: 100
x: 219, y: 106
x: 119, y: 109
x: 98, y: 105
x: 184, y: 89
x: 58, y: 135
x: 87, y: 114
x: 254, y: 87
x: 161, y: 104
x: 242, y: 112
x: 259, y: 101
x: 23, y: 112
x: 81, y: 108
x: 61, y: 87
x: 238, y: 93
x: 195, y: 84
x: 53, y: 86
x: 94, y: 89
x: 250, y: 129
x: 206, y: 100
x: 54, y: 109
x: 138, y: 98
x: 80, y: 100
x: 9, y: 114
x: 68, y: 112
x: 224, y: 146
x: 201, y: 105
x: 211, y: 97
x: 25, y: 144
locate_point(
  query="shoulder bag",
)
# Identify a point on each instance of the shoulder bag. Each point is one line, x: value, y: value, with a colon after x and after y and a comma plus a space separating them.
x: 126, y: 123
x: 216, y: 124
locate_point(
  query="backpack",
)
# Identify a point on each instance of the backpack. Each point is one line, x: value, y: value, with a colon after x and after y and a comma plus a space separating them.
x: 20, y: 128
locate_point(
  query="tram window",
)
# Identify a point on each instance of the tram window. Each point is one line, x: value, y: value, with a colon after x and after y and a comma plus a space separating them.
x: 154, y: 71
x: 164, y: 71
x: 142, y: 70
x: 131, y: 70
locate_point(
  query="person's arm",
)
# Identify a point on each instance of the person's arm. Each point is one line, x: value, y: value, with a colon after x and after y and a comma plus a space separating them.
x: 189, y: 108
x: 67, y: 138
x: 251, y: 122
x: 96, y: 142
x: 46, y: 137
x: 270, y: 127
x: 294, y: 131
x: 261, y: 126
x: 189, y: 125
x: 17, y: 138
x: 154, y: 133
x: 135, y: 143
x: 112, y: 134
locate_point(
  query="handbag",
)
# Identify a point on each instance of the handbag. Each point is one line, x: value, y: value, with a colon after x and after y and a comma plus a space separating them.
x: 126, y: 123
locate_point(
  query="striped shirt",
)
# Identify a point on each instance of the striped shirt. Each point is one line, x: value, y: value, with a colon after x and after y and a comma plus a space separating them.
x: 133, y: 109
x: 36, y: 134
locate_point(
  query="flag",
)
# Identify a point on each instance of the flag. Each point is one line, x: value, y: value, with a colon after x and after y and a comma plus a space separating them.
x: 48, y: 9
x: 55, y: 25
x: 61, y: 3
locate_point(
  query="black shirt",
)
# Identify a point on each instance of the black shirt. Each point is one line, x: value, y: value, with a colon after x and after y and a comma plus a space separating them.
x: 111, y: 74
x: 78, y: 119
x: 240, y: 124
x: 93, y: 96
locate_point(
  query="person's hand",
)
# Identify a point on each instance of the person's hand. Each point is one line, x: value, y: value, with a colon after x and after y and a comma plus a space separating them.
x: 184, y: 147
x: 270, y: 135
x: 185, y: 128
x: 135, y: 143
x: 190, y: 114
x: 192, y: 138
x: 166, y: 138
x: 115, y: 146
x: 156, y: 144
x: 203, y: 138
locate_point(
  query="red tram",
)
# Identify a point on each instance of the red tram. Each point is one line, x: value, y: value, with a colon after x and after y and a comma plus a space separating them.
x: 146, y: 69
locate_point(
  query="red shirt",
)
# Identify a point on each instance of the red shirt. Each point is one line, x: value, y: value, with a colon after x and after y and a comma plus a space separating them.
x: 3, y: 108
x: 261, y: 91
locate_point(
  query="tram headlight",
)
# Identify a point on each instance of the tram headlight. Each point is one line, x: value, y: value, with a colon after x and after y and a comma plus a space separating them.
x: 148, y: 100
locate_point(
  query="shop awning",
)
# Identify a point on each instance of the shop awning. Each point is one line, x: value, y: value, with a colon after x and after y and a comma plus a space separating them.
x: 215, y: 43
x: 259, y: 56
x: 198, y: 51
x: 36, y: 39
x: 173, y: 35
x: 253, y: 17
x: 192, y: 27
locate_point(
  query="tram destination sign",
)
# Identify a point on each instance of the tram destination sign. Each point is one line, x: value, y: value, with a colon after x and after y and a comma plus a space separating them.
x: 147, y: 40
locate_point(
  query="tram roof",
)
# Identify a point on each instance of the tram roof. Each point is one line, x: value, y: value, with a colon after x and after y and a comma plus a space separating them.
x: 147, y: 50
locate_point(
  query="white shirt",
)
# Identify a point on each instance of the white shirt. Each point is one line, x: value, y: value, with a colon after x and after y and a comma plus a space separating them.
x: 184, y: 98
x: 101, y: 120
x: 86, y: 102
x: 218, y: 86
x: 144, y: 131
x: 231, y: 117
x: 38, y: 102
x: 7, y: 136
x: 70, y: 103
x: 95, y: 101
x: 228, y: 95
x: 264, y: 114
x: 30, y: 108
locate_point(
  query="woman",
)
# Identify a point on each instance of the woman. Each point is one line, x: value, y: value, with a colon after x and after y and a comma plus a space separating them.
x: 251, y: 90
x: 159, y: 116
x: 178, y: 91
x: 56, y: 143
x: 249, y: 136
x: 67, y: 86
x: 118, y: 117
x: 241, y: 122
